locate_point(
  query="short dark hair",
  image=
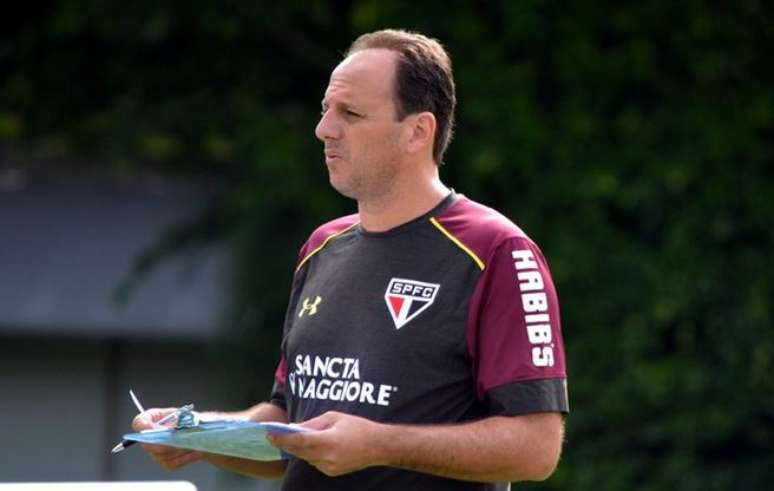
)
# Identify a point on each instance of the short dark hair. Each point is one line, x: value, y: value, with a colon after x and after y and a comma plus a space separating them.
x: 423, y: 79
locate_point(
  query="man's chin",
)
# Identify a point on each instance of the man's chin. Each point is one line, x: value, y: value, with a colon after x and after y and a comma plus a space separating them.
x: 342, y: 188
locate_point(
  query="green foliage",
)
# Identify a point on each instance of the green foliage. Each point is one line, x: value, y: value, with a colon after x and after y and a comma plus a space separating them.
x: 633, y: 142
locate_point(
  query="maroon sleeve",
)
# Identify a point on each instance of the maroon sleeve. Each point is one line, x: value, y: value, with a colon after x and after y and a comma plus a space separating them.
x: 315, y: 242
x: 514, y: 334
x: 278, y: 390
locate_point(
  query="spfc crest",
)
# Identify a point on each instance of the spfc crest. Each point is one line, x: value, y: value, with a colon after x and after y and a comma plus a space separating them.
x: 406, y: 299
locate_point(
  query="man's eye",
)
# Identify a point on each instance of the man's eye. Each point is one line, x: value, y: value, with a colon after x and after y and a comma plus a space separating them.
x: 352, y: 113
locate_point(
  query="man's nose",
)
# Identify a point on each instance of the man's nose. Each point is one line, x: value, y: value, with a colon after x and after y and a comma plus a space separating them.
x: 328, y: 127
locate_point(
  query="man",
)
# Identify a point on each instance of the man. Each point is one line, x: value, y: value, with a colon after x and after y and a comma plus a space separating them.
x: 422, y: 336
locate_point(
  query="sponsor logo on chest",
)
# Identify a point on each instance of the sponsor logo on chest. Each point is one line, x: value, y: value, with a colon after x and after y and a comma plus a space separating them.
x: 406, y: 299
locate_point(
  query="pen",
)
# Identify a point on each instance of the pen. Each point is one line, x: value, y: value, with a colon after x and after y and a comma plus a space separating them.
x: 136, y: 401
x: 126, y: 443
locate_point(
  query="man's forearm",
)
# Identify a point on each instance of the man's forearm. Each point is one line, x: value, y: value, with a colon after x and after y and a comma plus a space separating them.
x: 252, y: 468
x: 494, y: 449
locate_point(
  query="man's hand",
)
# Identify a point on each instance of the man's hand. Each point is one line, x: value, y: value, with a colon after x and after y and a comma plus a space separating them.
x: 169, y: 458
x: 342, y: 443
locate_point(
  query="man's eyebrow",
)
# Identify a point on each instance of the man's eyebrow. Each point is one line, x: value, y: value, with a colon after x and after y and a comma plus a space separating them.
x: 342, y: 103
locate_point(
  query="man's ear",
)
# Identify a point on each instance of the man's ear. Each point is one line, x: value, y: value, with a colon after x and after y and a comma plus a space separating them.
x: 421, y: 132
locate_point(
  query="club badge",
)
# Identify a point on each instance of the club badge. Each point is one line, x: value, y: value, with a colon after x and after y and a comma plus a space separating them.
x: 406, y: 299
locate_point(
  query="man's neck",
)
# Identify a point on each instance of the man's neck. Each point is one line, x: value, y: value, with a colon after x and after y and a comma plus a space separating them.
x: 403, y: 204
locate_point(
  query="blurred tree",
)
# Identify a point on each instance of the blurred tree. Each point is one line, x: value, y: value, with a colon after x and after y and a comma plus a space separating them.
x: 635, y: 143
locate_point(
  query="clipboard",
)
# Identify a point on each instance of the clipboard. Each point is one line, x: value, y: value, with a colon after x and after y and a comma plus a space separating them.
x: 244, y: 439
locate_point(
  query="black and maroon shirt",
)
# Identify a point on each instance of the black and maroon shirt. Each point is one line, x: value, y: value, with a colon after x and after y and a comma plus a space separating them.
x: 448, y: 318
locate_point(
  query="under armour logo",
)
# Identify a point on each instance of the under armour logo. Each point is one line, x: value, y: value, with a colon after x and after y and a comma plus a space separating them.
x: 309, y: 307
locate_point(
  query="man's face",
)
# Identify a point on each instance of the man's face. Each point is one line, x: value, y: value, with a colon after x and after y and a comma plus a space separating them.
x: 359, y: 125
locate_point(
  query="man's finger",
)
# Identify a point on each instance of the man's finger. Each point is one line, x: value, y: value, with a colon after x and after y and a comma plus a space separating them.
x: 184, y: 459
x: 322, y: 422
x: 301, y: 445
x: 305, y: 445
x: 158, y: 449
x: 162, y: 454
x: 146, y: 420
x: 286, y: 440
x: 173, y: 458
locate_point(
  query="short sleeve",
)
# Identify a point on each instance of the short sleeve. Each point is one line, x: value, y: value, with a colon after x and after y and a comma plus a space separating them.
x: 278, y: 389
x: 278, y: 397
x: 514, y: 333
